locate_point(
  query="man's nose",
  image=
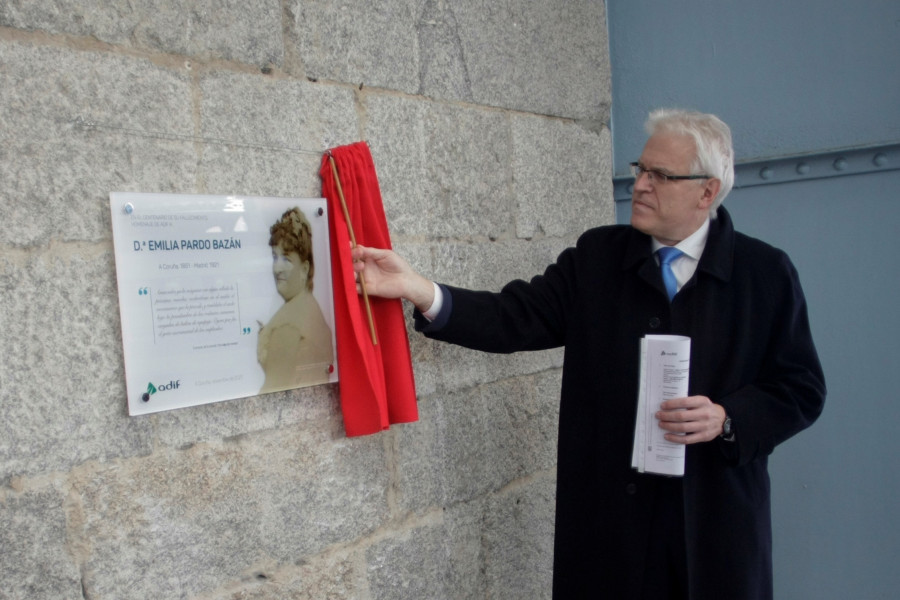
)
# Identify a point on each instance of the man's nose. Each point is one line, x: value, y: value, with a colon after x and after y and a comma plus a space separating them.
x: 642, y: 183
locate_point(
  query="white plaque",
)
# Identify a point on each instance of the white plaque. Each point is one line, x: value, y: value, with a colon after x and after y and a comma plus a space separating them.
x: 222, y: 297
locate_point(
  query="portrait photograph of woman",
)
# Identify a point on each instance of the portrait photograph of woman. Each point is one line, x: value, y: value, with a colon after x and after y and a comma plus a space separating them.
x: 295, y: 347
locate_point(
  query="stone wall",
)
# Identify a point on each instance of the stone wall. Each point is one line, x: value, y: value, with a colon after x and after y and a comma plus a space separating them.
x: 488, y: 122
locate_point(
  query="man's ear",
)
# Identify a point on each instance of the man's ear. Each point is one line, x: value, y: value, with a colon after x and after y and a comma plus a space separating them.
x: 710, y: 191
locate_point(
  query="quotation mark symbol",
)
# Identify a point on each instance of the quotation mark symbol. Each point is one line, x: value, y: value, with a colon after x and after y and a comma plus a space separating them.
x: 247, y: 330
x: 143, y: 291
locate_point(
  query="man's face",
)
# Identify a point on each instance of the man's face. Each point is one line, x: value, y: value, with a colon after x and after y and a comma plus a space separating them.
x: 672, y: 210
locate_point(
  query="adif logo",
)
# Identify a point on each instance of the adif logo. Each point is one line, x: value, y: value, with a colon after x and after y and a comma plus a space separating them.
x: 152, y: 389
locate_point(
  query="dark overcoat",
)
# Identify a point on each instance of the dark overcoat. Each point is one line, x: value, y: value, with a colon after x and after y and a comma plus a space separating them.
x: 751, y: 352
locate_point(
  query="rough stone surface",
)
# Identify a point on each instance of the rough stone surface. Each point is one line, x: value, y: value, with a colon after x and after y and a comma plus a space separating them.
x: 563, y: 173
x: 35, y: 562
x: 75, y: 126
x: 547, y: 58
x: 456, y: 157
x: 190, y: 520
x: 528, y: 55
x: 330, y: 576
x: 230, y: 29
x: 62, y: 385
x: 478, y: 440
x: 275, y: 113
x: 317, y: 407
x: 442, y: 61
x: 266, y: 136
x: 487, y: 123
x: 440, y: 558
x: 367, y: 43
x: 519, y: 541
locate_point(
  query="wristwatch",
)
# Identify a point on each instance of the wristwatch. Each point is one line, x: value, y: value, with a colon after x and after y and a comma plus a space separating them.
x: 727, y: 430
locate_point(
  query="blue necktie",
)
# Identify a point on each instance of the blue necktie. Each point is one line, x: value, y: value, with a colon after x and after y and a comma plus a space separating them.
x: 666, y: 255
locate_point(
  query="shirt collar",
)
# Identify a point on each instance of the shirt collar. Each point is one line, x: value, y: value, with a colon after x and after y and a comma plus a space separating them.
x: 693, y: 244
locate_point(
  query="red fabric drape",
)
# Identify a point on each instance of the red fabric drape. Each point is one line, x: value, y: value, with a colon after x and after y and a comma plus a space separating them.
x: 375, y: 381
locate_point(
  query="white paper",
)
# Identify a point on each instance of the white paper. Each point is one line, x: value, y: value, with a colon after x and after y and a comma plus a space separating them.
x: 664, y: 373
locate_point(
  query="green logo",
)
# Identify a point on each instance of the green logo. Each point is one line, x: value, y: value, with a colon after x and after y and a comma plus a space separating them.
x: 151, y: 389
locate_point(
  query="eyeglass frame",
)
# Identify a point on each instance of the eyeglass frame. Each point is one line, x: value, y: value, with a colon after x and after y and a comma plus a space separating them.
x: 658, y: 176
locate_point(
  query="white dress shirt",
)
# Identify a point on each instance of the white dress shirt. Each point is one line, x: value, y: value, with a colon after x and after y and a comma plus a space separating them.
x: 692, y: 247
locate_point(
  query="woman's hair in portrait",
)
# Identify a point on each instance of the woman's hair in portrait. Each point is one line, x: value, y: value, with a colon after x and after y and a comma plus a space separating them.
x: 294, y: 234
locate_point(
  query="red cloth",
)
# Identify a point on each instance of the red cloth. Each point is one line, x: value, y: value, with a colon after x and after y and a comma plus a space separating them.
x: 376, y: 381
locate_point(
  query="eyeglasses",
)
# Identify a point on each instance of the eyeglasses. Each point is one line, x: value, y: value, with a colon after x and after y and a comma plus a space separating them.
x: 637, y: 169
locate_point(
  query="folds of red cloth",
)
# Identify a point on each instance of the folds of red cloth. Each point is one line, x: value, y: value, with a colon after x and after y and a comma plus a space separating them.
x: 376, y: 382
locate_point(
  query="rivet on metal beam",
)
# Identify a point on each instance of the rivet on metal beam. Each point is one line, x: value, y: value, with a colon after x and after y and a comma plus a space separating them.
x: 880, y: 160
x: 802, y: 168
x: 766, y: 173
x: 840, y: 164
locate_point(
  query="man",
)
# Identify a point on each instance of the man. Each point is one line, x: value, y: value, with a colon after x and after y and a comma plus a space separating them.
x: 755, y: 377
